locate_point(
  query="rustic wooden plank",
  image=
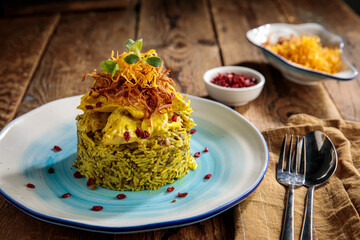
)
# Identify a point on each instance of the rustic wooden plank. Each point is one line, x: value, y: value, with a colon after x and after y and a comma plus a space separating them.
x: 182, y: 33
x: 22, y: 43
x: 18, y: 8
x: 337, y: 17
x: 80, y: 43
x: 214, y: 228
x: 280, y: 98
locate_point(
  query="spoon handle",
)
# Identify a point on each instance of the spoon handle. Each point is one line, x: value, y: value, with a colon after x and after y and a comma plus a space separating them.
x: 306, y: 232
x: 288, y: 226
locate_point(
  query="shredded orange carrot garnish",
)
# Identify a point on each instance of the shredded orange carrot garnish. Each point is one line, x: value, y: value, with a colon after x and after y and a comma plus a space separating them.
x: 309, y: 52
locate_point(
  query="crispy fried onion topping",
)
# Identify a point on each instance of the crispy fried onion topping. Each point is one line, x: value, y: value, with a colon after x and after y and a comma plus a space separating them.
x: 151, y: 97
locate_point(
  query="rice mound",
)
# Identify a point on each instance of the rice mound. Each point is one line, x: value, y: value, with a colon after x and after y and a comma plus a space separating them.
x: 135, y: 166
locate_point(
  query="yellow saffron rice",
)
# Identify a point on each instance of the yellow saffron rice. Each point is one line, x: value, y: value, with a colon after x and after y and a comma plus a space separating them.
x: 309, y: 52
x: 134, y: 133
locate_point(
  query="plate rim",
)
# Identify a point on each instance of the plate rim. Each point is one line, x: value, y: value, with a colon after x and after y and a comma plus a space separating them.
x: 144, y: 227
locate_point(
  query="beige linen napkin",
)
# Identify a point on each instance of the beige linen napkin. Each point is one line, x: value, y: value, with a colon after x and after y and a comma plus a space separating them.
x: 336, y: 203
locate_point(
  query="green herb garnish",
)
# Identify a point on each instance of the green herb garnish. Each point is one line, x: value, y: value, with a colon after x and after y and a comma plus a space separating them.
x: 111, y: 67
x: 131, y: 59
x: 135, y: 46
x: 154, y: 61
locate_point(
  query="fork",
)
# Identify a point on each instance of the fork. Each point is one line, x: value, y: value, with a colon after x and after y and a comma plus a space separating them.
x: 292, y: 176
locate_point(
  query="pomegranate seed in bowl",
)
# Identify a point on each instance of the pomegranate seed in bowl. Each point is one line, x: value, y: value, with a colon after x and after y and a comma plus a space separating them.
x: 233, y: 80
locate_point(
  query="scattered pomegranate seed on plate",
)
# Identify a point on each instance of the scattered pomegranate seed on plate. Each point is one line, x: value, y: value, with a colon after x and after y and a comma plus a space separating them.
x: 30, y: 185
x: 121, y: 196
x: 184, y: 194
x: 66, y: 195
x: 57, y: 148
x: 96, y: 208
x: 208, y: 176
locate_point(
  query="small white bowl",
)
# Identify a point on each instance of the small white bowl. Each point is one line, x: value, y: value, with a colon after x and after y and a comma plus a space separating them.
x: 292, y: 71
x: 233, y: 96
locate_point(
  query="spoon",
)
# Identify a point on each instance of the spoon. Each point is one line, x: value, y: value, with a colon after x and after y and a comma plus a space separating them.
x: 320, y: 164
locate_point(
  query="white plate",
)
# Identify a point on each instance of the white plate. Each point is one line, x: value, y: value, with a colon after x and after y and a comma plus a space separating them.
x: 238, y: 159
x: 292, y: 71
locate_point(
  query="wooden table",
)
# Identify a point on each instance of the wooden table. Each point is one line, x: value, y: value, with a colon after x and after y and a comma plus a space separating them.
x: 46, y: 49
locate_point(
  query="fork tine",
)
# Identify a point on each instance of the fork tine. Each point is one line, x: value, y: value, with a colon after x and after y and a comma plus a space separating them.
x: 289, y: 156
x: 282, y: 155
x: 303, y: 156
x: 295, y: 159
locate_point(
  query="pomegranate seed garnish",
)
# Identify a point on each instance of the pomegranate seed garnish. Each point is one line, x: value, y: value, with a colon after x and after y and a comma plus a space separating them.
x: 138, y: 132
x: 170, y: 189
x: 51, y: 170
x: 57, y: 148
x: 127, y: 136
x: 174, y: 118
x: 207, y: 176
x: 182, y: 194
x: 98, y: 104
x: 121, y: 196
x: 66, y: 195
x: 197, y: 154
x: 206, y: 149
x: 77, y: 174
x: 192, y: 131
x: 89, y: 107
x: 145, y: 135
x: 96, y: 208
x: 30, y: 185
x: 90, y: 181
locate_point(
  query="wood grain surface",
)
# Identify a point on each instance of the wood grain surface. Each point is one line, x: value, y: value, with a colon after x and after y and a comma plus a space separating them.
x: 22, y: 7
x: 81, y: 42
x: 22, y: 44
x: 43, y: 58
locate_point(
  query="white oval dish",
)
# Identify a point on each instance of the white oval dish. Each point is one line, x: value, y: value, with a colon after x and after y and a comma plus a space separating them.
x: 233, y: 96
x: 237, y: 159
x: 292, y: 71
